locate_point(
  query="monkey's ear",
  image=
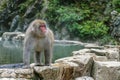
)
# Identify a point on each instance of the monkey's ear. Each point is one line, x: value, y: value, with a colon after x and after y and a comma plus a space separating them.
x: 32, y: 29
x: 34, y: 24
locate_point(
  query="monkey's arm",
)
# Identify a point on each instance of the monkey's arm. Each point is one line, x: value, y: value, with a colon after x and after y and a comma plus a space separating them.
x: 28, y: 45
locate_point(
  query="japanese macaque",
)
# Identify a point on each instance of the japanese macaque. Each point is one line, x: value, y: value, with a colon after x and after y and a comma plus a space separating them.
x: 38, y: 38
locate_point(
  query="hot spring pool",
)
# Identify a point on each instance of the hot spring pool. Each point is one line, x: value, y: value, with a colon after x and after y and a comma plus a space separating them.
x: 11, y: 52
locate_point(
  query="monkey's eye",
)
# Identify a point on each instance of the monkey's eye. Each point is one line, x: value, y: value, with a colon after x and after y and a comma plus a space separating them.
x: 42, y: 25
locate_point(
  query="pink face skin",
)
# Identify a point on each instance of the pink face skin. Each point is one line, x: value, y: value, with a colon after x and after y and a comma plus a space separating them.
x: 43, y: 28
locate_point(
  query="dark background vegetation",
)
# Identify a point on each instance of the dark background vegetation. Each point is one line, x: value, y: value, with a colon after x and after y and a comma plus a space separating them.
x: 82, y: 19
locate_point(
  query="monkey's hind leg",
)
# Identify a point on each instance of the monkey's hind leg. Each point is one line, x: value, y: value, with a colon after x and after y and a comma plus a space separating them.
x: 37, y: 58
x: 48, y: 57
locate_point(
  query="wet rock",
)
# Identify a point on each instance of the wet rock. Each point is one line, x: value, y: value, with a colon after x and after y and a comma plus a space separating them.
x: 18, y: 65
x: 109, y: 70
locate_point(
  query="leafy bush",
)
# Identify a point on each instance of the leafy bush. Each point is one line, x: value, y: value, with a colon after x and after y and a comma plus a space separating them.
x: 107, y: 39
x: 70, y: 14
x: 89, y: 29
x: 23, y: 7
x: 116, y: 4
x: 75, y: 18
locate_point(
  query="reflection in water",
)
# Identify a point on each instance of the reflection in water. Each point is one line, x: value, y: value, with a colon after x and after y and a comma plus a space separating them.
x: 11, y: 52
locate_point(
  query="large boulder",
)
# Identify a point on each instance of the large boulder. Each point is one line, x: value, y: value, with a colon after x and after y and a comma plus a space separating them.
x: 55, y: 72
x: 109, y: 70
x: 13, y: 36
x: 66, y: 68
x: 81, y: 64
x: 113, y: 54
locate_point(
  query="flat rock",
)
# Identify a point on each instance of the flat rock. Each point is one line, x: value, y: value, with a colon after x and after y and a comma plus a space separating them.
x: 81, y: 52
x: 100, y: 58
x: 99, y: 52
x: 95, y: 46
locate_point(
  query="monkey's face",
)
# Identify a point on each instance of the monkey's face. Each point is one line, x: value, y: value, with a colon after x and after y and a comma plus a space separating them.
x: 40, y: 29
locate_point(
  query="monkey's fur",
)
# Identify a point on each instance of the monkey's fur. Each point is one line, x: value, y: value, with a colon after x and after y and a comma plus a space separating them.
x: 37, y: 41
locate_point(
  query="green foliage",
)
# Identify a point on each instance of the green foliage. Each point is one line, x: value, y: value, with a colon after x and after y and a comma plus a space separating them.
x: 70, y: 14
x: 84, y: 20
x: 116, y: 4
x: 89, y: 29
x: 23, y: 7
x: 3, y: 4
x: 107, y: 39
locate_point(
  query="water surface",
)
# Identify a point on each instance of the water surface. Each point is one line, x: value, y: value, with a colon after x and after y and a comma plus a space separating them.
x: 11, y: 52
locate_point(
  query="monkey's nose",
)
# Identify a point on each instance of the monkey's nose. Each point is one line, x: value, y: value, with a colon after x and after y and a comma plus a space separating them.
x: 43, y: 29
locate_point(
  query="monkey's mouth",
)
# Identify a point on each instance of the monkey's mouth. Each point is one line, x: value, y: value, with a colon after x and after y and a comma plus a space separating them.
x: 43, y: 29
